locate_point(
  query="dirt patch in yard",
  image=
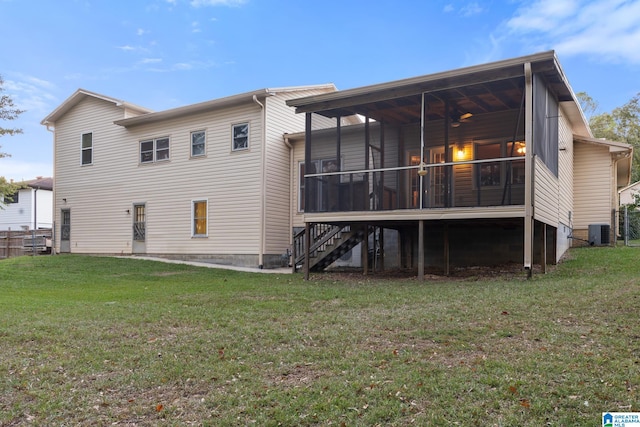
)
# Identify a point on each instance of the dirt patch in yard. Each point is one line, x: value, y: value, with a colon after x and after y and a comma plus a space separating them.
x: 503, y: 271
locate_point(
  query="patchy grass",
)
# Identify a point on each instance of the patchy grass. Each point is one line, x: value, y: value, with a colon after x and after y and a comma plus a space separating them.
x: 106, y: 341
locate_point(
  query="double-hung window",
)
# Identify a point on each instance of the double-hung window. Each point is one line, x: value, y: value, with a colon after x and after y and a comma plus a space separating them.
x: 154, y: 150
x: 240, y: 137
x: 198, y: 143
x: 87, y: 148
x: 199, y: 218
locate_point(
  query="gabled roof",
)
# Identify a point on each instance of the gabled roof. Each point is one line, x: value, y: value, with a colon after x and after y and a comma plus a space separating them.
x: 41, y: 183
x: 82, y: 94
x: 620, y: 151
x: 634, y: 186
x: 478, y: 89
x: 216, y: 104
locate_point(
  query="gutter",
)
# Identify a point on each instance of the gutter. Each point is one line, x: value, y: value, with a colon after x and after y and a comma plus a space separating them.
x: 263, y: 188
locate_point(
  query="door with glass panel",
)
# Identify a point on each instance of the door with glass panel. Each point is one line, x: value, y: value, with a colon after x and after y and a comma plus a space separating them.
x: 65, y: 231
x: 139, y: 245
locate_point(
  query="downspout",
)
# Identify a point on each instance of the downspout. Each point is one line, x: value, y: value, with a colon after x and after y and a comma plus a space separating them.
x: 263, y: 185
x: 35, y: 219
x: 285, y: 139
x: 53, y: 205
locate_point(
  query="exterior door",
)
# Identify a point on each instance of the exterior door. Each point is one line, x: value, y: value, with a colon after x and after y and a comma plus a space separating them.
x: 139, y: 245
x: 65, y: 231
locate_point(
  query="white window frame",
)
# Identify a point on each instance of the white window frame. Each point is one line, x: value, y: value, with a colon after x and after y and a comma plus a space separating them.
x: 194, y: 134
x: 84, y: 149
x: 155, y: 150
x: 193, y: 218
x: 234, y: 138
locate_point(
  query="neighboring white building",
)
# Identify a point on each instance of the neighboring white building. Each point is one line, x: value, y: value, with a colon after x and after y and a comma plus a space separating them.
x: 30, y: 207
x: 627, y: 194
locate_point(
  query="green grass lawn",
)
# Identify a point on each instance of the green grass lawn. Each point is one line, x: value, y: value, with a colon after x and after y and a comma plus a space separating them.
x: 106, y: 341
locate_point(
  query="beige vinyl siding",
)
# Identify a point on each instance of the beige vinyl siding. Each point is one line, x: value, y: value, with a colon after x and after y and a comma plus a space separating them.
x: 281, y: 119
x: 84, y: 188
x: 103, y: 192
x: 546, y: 194
x: 230, y: 181
x: 592, y: 185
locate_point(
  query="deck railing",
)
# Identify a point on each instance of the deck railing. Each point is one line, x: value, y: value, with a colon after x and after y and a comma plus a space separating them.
x: 491, y: 182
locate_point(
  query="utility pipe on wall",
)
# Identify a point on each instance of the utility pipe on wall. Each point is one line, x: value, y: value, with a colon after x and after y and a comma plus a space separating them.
x: 263, y: 184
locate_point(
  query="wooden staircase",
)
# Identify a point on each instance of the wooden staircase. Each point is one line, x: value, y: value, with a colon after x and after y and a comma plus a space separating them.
x: 328, y: 243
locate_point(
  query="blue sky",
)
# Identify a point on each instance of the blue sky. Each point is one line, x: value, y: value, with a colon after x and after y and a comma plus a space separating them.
x: 167, y: 53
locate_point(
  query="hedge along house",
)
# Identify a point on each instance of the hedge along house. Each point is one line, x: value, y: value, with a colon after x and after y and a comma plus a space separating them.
x: 207, y: 181
x: 477, y: 166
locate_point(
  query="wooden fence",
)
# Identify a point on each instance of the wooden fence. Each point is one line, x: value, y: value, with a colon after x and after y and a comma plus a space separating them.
x: 18, y: 243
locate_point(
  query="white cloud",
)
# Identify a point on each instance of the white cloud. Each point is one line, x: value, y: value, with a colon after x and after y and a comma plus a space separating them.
x: 31, y: 93
x: 199, y: 3
x: 609, y: 29
x: 469, y: 9
x: 126, y: 48
x: 150, y: 60
x: 141, y: 32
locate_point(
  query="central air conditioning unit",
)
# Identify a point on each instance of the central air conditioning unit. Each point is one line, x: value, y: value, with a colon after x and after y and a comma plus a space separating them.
x: 599, y: 234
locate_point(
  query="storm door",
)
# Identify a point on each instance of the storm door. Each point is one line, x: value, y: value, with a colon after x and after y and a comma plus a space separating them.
x: 65, y: 231
x: 139, y: 245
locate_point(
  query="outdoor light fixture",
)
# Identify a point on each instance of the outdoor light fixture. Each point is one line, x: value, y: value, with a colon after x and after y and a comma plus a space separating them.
x: 422, y: 171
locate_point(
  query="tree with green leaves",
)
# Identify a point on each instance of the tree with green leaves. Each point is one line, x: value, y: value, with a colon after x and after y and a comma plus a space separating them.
x: 8, y: 111
x: 622, y: 125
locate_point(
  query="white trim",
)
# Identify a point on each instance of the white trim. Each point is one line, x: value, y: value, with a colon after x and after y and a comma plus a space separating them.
x: 204, y: 153
x: 233, y: 126
x: 154, y: 151
x: 82, y: 149
x: 192, y: 219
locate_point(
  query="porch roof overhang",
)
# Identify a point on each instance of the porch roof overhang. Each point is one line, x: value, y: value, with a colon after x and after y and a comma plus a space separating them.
x: 485, y: 88
x: 621, y: 154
